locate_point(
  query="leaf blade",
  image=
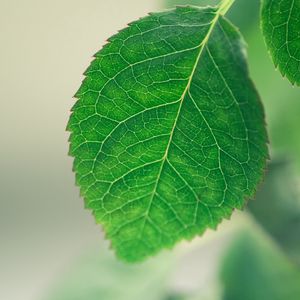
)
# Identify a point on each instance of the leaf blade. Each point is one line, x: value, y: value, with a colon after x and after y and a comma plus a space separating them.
x: 255, y: 268
x: 280, y: 25
x: 150, y: 179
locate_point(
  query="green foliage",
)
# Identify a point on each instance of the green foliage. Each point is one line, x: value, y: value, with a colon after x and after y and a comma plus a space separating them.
x: 277, y: 207
x: 280, y: 25
x: 168, y: 131
x: 255, y: 268
x: 98, y: 275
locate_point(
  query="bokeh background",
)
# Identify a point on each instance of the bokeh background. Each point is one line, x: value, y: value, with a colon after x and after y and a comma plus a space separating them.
x: 50, y: 247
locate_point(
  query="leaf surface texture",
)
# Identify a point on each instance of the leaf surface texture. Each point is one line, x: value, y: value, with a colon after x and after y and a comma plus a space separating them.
x: 168, y: 130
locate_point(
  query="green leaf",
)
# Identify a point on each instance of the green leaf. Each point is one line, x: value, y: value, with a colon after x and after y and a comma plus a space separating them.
x: 98, y: 275
x: 277, y: 207
x: 254, y: 268
x: 168, y: 131
x: 280, y: 25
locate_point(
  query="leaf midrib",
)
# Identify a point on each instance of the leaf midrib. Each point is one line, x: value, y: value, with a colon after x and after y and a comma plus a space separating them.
x: 186, y: 90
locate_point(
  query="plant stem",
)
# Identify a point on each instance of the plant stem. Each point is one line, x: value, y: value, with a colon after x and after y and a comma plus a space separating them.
x: 225, y: 6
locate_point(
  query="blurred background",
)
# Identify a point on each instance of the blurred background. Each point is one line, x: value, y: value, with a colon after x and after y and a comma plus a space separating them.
x: 50, y: 247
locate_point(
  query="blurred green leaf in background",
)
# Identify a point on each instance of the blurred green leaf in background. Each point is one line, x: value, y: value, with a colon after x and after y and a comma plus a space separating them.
x: 277, y: 207
x: 255, y: 269
x: 99, y: 275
